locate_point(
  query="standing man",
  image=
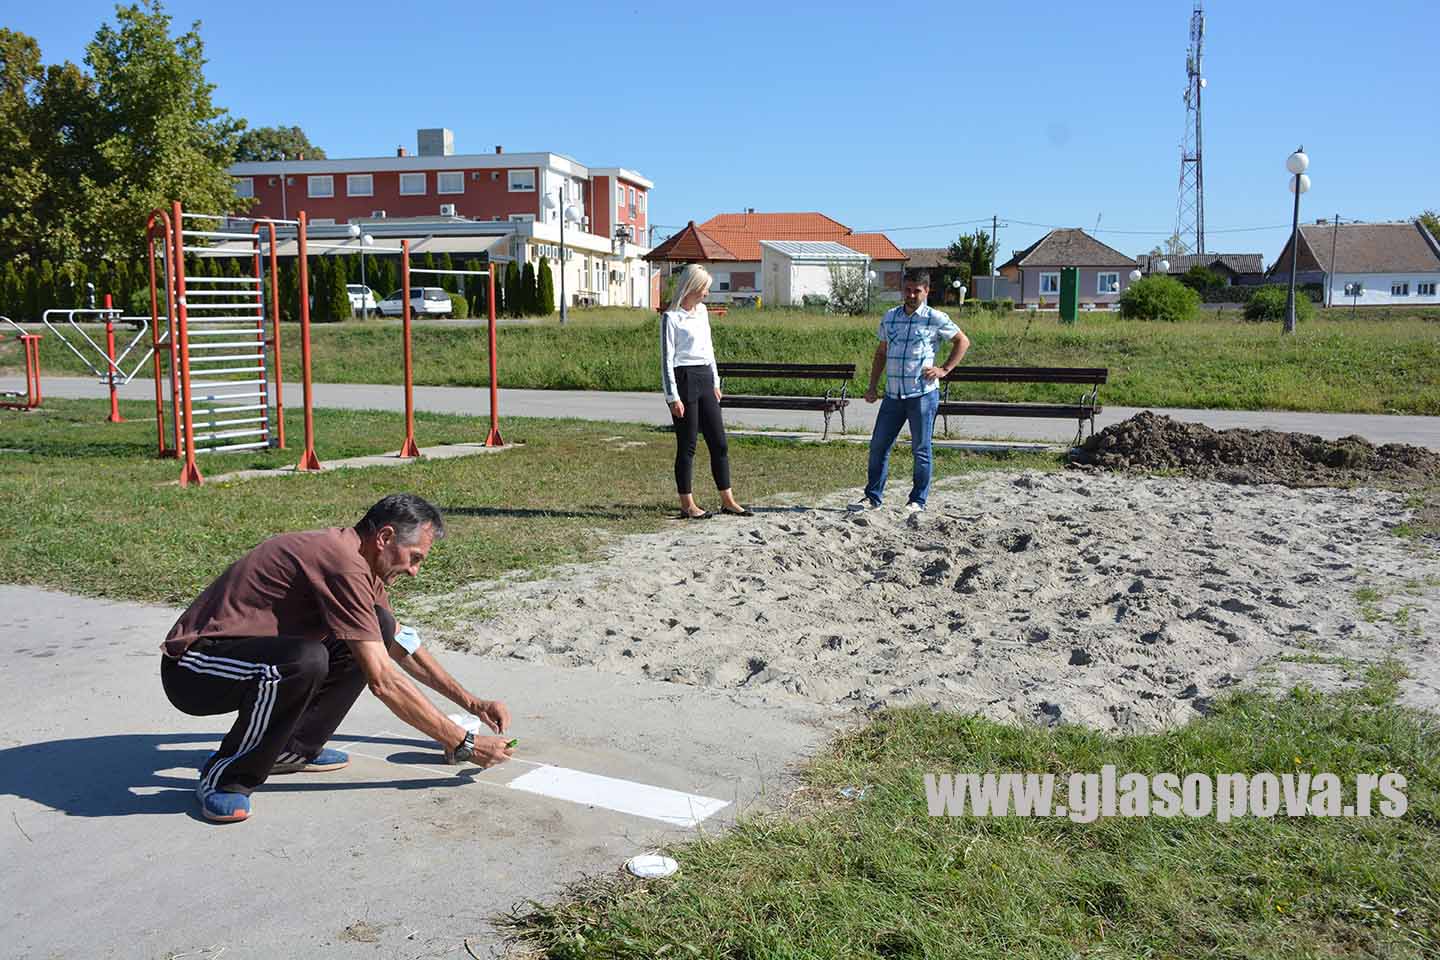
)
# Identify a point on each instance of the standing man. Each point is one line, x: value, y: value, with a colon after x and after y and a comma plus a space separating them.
x: 910, y: 335
x: 291, y: 633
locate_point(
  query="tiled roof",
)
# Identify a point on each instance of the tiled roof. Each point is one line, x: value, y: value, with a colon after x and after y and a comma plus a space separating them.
x: 876, y: 245
x: 741, y: 233
x: 1364, y: 248
x: 1182, y: 262
x: 928, y: 258
x: 1068, y: 248
x: 692, y: 245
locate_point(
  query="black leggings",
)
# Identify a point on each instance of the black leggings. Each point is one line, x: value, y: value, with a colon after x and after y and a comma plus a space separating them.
x: 696, y: 387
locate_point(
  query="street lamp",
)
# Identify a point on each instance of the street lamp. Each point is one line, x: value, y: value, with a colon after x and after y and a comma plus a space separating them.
x: 1297, y: 163
x: 870, y: 277
x: 1135, y: 275
x: 365, y: 241
x: 573, y: 215
x: 1164, y: 266
x: 960, y: 291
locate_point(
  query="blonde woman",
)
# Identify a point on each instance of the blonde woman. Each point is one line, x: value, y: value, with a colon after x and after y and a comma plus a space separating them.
x: 692, y: 389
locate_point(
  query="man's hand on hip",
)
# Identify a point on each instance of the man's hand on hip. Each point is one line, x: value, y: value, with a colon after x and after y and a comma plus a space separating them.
x: 933, y: 373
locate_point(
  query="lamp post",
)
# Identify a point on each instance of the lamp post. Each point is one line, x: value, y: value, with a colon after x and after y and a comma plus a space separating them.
x: 573, y: 215
x: 870, y: 277
x: 365, y: 241
x: 960, y: 291
x: 1135, y: 275
x: 1297, y: 163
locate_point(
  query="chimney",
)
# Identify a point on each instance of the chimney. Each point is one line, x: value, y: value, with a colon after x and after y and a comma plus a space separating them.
x: 399, y: 151
x: 499, y: 149
x: 749, y: 209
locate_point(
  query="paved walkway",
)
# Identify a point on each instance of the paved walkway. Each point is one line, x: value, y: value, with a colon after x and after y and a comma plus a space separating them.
x: 648, y: 408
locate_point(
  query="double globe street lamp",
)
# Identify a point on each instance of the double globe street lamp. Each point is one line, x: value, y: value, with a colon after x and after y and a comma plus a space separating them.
x: 365, y: 241
x: 571, y: 214
x: 1297, y: 163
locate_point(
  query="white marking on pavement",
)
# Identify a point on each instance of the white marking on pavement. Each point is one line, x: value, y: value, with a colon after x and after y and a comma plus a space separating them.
x: 623, y: 796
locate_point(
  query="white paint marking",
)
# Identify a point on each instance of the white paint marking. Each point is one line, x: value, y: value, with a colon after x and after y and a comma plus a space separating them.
x: 623, y: 796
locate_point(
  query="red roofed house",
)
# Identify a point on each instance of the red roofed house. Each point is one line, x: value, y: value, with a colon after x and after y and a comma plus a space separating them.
x: 729, y: 245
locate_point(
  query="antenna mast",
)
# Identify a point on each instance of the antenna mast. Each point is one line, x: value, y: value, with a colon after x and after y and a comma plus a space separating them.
x: 1190, y: 207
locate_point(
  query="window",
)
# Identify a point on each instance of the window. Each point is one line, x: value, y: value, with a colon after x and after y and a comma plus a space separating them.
x: 360, y: 185
x: 244, y: 186
x: 522, y: 218
x: 1398, y: 289
x: 450, y: 182
x: 1107, y: 283
x: 412, y: 184
x: 620, y: 195
x: 522, y: 181
x: 321, y: 221
x: 1049, y: 283
x: 1425, y: 289
x: 742, y: 281
x: 892, y: 279
x: 722, y: 281
x: 320, y: 186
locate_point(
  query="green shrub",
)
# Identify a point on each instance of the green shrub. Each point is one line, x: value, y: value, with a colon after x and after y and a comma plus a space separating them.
x: 459, y: 306
x: 1201, y: 279
x: 1005, y: 304
x: 546, y: 283
x: 1159, y: 298
x: 1267, y: 304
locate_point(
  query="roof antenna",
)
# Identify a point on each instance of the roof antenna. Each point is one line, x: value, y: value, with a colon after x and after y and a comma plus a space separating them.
x: 1097, y: 221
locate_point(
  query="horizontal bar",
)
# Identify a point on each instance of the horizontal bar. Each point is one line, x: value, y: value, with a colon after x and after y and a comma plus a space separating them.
x: 223, y: 383
x: 225, y: 345
x: 216, y: 397
x: 234, y: 446
x: 228, y: 332
x: 237, y: 408
x: 456, y: 273
x: 224, y: 370
x: 219, y: 251
x: 226, y: 357
x: 190, y: 280
x: 228, y: 434
x: 219, y: 234
x: 212, y: 216
x: 224, y: 293
x: 229, y: 318
x: 237, y: 421
x: 223, y: 306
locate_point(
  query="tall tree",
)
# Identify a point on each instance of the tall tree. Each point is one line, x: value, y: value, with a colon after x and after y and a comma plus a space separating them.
x: 974, y: 250
x: 1431, y: 219
x: 23, y: 180
x: 545, y: 281
x: 159, y: 136
x: 276, y: 143
x: 529, y: 291
x: 514, y: 301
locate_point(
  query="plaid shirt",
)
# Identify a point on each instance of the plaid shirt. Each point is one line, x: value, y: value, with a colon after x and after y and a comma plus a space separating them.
x: 910, y: 343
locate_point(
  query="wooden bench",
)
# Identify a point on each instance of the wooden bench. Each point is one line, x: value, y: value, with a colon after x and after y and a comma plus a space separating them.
x: 1083, y: 410
x: 832, y: 402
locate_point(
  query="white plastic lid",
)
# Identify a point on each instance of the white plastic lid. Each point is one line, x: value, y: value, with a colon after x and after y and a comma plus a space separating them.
x: 651, y: 866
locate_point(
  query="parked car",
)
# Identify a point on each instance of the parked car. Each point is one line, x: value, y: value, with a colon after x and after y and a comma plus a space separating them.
x: 424, y: 302
x: 361, y: 297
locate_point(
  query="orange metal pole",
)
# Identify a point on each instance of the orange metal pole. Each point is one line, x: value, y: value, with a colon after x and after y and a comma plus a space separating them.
x: 308, y: 460
x: 32, y: 362
x: 408, y: 448
x: 275, y: 322
x: 494, y: 440
x: 173, y: 255
x: 155, y: 327
x: 110, y: 354
x: 190, y: 472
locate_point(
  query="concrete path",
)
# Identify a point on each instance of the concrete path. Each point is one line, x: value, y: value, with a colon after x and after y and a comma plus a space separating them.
x: 648, y: 408
x: 396, y: 856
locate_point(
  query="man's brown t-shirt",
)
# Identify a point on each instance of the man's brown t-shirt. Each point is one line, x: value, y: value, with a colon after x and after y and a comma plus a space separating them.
x: 306, y: 585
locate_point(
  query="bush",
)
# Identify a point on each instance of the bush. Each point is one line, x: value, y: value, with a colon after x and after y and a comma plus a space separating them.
x: 459, y: 306
x: 1005, y: 304
x: 546, y: 283
x: 1267, y: 304
x: 1159, y: 298
x: 849, y: 290
x: 1202, y: 279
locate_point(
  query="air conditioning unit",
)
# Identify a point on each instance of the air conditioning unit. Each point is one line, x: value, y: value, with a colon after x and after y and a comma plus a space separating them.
x: 447, y: 209
x: 377, y: 214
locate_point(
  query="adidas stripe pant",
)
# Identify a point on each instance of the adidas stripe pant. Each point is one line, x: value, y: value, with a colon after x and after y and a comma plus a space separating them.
x: 290, y: 694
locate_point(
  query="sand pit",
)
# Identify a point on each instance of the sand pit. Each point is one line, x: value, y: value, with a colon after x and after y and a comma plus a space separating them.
x: 1115, y: 601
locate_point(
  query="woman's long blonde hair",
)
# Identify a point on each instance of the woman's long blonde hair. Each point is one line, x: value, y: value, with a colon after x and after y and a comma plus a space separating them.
x: 694, y: 277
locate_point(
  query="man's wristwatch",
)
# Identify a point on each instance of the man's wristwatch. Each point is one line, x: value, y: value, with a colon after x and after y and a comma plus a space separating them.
x: 466, y: 750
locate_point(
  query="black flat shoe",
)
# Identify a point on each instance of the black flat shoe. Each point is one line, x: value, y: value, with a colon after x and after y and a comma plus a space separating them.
x: 742, y: 512
x: 703, y: 515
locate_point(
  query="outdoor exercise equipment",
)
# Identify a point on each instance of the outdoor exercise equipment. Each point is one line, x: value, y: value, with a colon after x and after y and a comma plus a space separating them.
x: 221, y: 363
x: 30, y: 345
x: 112, y: 373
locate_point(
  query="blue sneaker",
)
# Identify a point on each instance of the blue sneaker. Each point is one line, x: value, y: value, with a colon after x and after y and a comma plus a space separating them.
x: 222, y: 807
x: 322, y: 762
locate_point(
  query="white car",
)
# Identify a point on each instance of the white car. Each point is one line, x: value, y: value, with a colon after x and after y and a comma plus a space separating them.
x: 361, y: 297
x: 424, y: 302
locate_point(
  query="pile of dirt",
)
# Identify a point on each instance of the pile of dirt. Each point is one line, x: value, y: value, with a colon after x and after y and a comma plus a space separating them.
x: 1150, y: 443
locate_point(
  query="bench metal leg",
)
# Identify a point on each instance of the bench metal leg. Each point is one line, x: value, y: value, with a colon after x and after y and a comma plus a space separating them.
x: 826, y: 434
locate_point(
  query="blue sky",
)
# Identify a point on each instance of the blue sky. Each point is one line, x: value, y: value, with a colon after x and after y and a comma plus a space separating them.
x: 884, y: 116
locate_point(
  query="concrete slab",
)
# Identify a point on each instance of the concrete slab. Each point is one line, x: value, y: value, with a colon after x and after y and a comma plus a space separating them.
x: 398, y: 853
x: 444, y: 451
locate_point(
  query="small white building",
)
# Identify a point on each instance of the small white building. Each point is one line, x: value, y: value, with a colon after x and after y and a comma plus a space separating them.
x: 1374, y: 264
x: 793, y: 269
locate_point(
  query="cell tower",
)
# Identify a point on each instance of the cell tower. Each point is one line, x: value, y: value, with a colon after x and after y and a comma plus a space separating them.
x: 1190, y: 208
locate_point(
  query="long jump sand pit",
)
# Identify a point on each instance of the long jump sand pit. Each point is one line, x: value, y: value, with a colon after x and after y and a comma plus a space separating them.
x: 1119, y: 601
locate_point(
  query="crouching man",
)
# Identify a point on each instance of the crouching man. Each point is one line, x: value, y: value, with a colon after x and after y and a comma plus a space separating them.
x: 291, y: 633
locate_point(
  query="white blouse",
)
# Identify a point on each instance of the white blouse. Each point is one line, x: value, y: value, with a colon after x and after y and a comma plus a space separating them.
x: 684, y: 342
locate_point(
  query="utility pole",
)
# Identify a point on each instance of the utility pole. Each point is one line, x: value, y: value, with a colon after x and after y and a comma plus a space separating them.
x: 1330, y: 280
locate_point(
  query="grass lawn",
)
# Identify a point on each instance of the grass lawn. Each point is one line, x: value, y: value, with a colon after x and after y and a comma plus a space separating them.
x: 88, y: 509
x: 1385, y: 361
x: 880, y: 878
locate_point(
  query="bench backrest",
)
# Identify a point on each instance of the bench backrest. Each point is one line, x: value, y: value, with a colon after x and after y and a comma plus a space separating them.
x: 799, y: 371
x: 977, y: 374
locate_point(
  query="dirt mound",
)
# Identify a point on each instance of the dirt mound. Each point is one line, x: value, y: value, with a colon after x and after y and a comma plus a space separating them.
x: 1149, y: 443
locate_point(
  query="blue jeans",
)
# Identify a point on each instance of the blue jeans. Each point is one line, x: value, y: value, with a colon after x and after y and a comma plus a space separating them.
x: 894, y: 413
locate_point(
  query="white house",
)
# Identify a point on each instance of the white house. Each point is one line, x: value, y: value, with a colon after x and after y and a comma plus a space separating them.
x: 1377, y: 264
x: 794, y: 269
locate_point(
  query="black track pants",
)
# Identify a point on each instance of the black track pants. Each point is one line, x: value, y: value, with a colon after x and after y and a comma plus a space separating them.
x: 696, y: 386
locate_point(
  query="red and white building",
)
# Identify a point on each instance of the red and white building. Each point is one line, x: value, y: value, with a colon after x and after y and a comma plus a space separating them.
x: 504, y: 205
